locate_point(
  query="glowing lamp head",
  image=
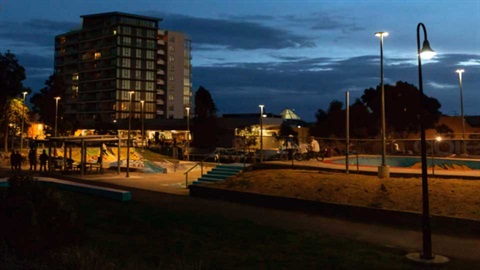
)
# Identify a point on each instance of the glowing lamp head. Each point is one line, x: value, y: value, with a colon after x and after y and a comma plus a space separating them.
x: 459, y: 71
x: 426, y: 52
x: 381, y: 34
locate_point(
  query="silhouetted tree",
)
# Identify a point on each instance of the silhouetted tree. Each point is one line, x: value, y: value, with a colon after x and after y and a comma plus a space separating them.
x: 335, y: 106
x: 44, y: 104
x: 204, y: 105
x: 285, y: 130
x: 362, y: 124
x: 402, y: 108
x: 204, y: 128
x: 445, y: 130
x: 12, y: 74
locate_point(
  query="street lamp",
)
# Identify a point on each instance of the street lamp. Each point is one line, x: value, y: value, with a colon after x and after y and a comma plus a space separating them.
x: 23, y: 121
x: 261, y: 132
x: 188, y: 133
x: 129, y: 128
x: 142, y: 114
x: 464, y: 147
x: 426, y: 256
x: 383, y: 171
x: 438, y: 139
x: 56, y: 114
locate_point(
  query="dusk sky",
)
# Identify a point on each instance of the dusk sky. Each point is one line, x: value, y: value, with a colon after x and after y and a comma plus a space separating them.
x: 284, y: 54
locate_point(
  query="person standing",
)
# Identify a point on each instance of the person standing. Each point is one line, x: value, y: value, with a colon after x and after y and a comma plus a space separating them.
x: 32, y: 158
x: 12, y: 160
x: 18, y: 161
x: 43, y: 160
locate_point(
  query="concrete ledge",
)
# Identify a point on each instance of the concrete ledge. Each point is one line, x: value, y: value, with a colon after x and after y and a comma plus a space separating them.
x: 411, y: 220
x: 4, y: 182
x: 116, y: 194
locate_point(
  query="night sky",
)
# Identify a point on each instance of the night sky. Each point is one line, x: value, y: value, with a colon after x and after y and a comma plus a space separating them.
x: 284, y: 54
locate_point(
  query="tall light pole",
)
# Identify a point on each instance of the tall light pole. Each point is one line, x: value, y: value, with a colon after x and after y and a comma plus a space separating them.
x: 426, y: 256
x: 383, y: 170
x: 56, y: 114
x: 188, y: 133
x: 129, y: 129
x: 23, y: 121
x: 464, y: 146
x: 142, y: 114
x: 261, y: 132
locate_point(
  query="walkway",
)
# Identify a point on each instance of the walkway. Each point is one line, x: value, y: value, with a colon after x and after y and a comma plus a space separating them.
x: 168, y: 191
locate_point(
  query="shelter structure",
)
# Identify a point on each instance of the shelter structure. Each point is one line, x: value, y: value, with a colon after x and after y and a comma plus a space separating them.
x: 65, y: 162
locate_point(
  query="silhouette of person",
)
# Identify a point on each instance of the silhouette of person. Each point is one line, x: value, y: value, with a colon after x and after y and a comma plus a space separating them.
x: 18, y: 161
x: 32, y: 158
x: 12, y: 160
x: 43, y: 160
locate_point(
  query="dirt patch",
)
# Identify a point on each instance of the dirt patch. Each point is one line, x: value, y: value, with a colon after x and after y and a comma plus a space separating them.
x: 448, y: 197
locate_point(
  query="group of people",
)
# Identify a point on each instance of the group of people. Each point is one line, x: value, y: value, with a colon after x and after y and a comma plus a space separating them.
x: 290, y: 145
x: 16, y: 160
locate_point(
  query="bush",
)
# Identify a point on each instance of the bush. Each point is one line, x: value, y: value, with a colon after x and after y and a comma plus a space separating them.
x: 35, y: 218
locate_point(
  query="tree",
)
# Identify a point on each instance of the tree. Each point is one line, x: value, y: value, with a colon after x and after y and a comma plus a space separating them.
x: 286, y: 130
x: 15, y: 114
x: 402, y: 108
x: 204, y: 128
x: 12, y: 74
x: 204, y: 105
x: 44, y: 104
x: 335, y: 106
x: 445, y: 130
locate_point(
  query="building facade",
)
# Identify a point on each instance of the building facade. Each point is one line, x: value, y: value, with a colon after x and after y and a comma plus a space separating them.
x: 116, y: 60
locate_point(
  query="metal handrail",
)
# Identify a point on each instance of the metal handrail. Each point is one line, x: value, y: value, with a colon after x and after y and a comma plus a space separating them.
x: 201, y: 165
x: 170, y: 163
x: 198, y: 163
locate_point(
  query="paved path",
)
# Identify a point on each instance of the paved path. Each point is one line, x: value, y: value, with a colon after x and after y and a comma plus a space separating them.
x: 168, y: 191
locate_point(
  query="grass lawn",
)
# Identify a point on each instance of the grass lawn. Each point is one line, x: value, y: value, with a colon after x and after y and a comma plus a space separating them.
x: 136, y: 235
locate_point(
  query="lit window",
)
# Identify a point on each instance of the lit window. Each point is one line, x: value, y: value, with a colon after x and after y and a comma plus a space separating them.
x: 114, y: 32
x: 75, y: 77
x: 97, y: 55
x: 170, y: 97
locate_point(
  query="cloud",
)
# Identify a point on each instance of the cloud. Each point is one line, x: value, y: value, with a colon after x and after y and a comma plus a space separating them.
x: 36, y: 32
x: 441, y: 86
x: 296, y: 83
x: 233, y: 34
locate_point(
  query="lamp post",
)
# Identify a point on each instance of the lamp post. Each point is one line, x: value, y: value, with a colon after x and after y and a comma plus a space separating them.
x: 261, y: 132
x: 188, y: 132
x: 383, y: 170
x: 438, y: 139
x: 464, y: 147
x: 129, y: 129
x: 143, y: 117
x: 426, y: 256
x: 23, y: 121
x: 56, y: 114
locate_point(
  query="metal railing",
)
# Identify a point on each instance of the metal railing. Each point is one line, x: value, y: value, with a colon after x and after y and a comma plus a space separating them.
x: 194, y: 166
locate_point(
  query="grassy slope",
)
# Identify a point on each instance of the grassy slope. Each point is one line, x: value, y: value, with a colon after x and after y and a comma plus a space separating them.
x: 143, y: 235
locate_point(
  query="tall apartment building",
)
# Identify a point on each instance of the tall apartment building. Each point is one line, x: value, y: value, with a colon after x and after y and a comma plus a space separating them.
x: 116, y: 54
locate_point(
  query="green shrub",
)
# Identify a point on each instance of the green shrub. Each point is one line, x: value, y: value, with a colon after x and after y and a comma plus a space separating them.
x: 35, y: 218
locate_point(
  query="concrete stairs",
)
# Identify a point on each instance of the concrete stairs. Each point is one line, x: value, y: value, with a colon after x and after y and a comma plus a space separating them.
x: 220, y: 173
